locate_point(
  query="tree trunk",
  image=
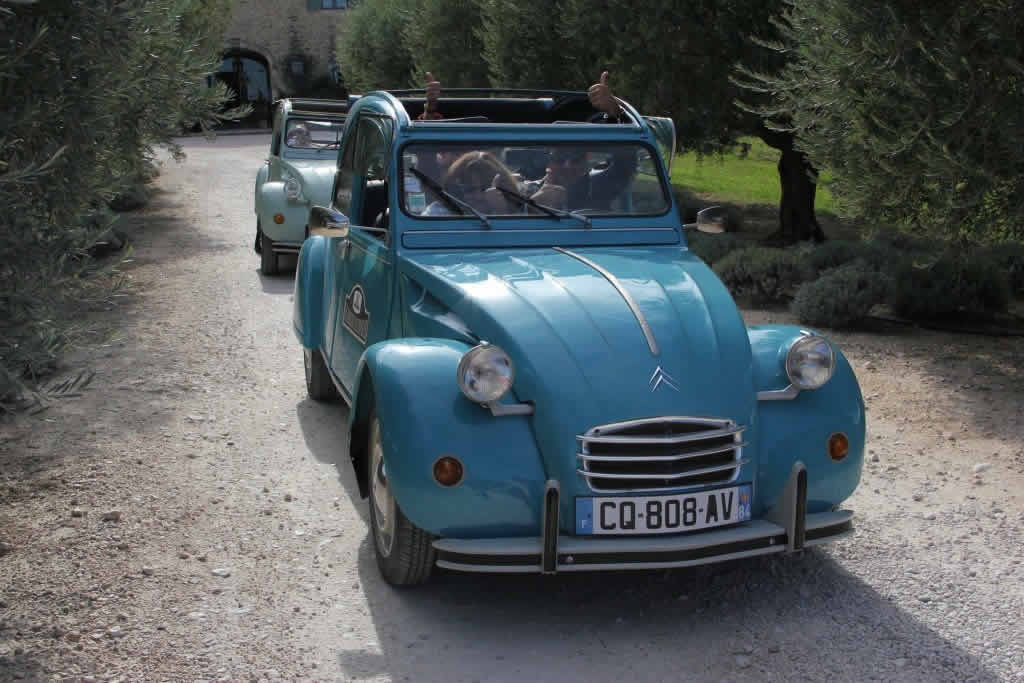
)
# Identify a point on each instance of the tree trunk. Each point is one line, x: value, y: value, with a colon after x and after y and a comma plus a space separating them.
x: 797, y: 221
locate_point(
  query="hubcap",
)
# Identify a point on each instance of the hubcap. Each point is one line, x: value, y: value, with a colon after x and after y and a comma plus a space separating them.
x: 383, y: 501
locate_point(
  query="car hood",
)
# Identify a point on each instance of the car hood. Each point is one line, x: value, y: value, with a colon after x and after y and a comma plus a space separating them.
x: 580, y: 353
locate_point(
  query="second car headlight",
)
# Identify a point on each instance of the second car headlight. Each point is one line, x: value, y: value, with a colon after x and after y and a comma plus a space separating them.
x: 292, y: 189
x: 810, y: 362
x: 485, y: 373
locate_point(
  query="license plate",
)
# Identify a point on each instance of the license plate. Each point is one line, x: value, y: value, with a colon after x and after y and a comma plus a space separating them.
x: 623, y: 515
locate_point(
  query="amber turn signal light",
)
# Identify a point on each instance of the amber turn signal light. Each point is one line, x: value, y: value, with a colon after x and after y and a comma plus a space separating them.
x: 838, y: 446
x: 448, y: 471
x: 279, y: 218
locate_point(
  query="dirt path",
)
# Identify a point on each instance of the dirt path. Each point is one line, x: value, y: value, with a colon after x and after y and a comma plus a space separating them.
x: 235, y: 546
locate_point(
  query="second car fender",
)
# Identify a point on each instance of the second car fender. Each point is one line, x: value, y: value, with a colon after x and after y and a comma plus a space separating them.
x: 295, y: 212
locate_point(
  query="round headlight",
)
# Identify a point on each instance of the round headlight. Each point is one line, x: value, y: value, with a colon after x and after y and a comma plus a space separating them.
x: 485, y: 373
x: 292, y: 188
x: 810, y: 362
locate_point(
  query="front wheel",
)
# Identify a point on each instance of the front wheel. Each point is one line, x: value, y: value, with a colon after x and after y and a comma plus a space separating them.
x: 268, y: 259
x: 404, y: 552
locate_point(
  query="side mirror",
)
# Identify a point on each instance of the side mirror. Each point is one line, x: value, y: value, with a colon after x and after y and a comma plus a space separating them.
x: 327, y: 222
x: 711, y: 220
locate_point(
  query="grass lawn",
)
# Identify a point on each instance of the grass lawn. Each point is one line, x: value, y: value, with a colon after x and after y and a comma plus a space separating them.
x: 739, y: 179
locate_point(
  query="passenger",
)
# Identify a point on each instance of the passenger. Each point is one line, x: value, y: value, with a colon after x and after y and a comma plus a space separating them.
x: 474, y: 178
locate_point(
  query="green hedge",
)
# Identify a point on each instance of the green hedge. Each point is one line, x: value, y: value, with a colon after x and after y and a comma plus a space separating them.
x: 950, y: 285
x: 713, y: 248
x: 763, y: 275
x: 1008, y: 258
x: 841, y: 296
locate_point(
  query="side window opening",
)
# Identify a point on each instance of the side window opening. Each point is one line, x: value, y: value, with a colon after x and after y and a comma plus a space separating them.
x: 346, y: 175
x: 372, y: 166
x: 275, y: 140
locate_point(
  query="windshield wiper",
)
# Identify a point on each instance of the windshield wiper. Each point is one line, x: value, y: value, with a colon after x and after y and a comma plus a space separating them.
x: 549, y: 210
x: 449, y: 198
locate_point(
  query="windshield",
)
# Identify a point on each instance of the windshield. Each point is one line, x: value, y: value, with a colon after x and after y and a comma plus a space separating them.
x: 543, y: 181
x: 314, y: 134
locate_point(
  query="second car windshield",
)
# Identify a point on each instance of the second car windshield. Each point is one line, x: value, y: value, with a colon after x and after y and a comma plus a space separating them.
x: 594, y: 179
x: 313, y: 134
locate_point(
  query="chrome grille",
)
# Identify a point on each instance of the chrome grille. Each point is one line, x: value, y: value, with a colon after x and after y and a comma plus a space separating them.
x: 661, y: 453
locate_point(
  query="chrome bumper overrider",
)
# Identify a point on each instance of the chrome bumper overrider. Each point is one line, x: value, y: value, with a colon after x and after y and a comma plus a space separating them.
x: 789, y: 530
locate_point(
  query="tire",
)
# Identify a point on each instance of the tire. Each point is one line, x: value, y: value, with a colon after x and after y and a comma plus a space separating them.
x: 319, y: 385
x: 404, y: 552
x: 258, y: 245
x: 268, y: 259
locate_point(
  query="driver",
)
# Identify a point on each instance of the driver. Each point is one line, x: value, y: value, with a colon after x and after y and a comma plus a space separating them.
x: 299, y: 136
x: 570, y: 184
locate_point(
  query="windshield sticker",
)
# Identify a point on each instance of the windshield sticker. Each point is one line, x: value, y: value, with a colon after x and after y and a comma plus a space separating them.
x: 356, y: 318
x: 412, y: 184
x: 417, y: 202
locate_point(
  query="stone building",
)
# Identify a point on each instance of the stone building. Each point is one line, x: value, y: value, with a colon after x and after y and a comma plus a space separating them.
x: 282, y: 48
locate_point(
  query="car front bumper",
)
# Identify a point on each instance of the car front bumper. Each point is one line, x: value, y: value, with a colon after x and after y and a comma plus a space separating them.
x: 787, y: 528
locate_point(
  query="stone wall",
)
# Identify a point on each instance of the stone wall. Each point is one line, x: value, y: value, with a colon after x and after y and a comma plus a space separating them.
x: 296, y: 37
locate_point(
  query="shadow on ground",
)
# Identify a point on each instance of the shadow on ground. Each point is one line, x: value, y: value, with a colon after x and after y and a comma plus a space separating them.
x: 282, y: 283
x: 746, y: 620
x: 325, y: 431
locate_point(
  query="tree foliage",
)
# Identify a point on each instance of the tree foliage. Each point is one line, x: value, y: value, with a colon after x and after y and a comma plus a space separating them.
x: 89, y: 88
x: 374, y: 52
x: 445, y: 38
x: 916, y: 108
x: 522, y: 43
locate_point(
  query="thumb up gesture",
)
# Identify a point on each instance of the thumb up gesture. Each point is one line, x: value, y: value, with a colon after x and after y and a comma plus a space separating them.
x: 601, y: 96
x: 433, y: 92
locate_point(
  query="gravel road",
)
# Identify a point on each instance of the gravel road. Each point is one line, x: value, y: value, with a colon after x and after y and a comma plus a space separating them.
x: 192, y: 517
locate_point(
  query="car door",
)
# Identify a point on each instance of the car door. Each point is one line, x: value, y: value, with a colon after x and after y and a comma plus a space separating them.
x: 334, y: 279
x: 366, y: 283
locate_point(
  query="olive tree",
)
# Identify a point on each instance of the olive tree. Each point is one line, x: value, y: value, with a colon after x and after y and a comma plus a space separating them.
x: 90, y: 88
x: 681, y: 58
x: 373, y: 52
x: 445, y: 38
x: 916, y: 108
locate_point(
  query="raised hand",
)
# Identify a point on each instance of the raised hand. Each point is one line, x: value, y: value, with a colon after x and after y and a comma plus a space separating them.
x: 601, y: 96
x: 433, y: 90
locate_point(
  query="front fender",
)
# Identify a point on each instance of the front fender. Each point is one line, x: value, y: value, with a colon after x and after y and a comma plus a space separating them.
x: 308, y: 310
x: 423, y: 416
x: 261, y: 179
x: 798, y: 428
x: 296, y: 214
